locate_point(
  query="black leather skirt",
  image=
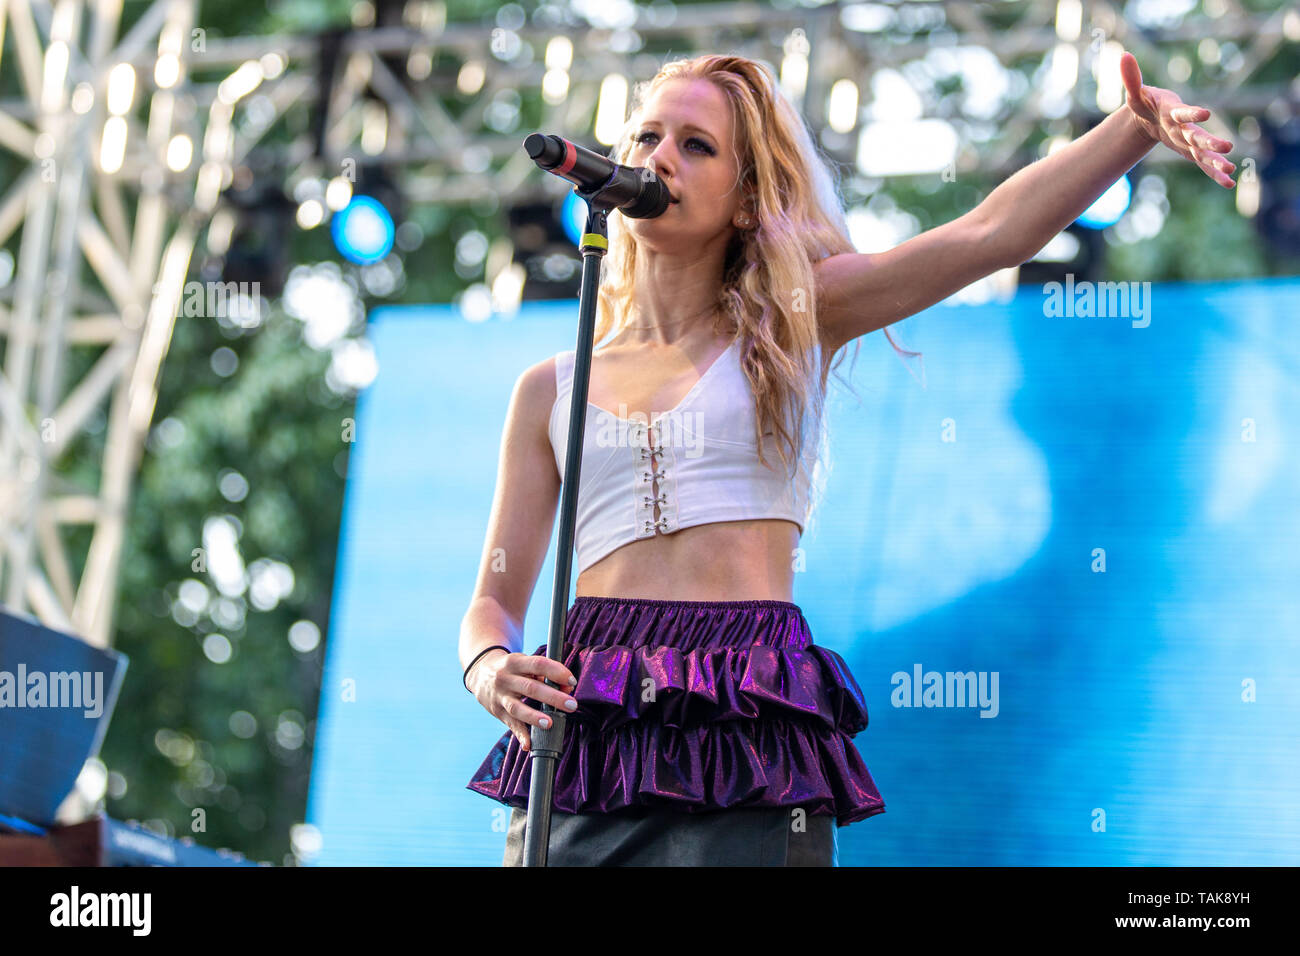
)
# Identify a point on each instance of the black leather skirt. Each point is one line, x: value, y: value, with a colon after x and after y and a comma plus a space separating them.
x: 760, y: 836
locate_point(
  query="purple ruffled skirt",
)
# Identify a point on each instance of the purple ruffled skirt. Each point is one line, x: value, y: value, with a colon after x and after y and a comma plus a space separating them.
x: 698, y: 706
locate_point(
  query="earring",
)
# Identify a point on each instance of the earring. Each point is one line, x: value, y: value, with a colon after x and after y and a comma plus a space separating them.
x: 744, y: 221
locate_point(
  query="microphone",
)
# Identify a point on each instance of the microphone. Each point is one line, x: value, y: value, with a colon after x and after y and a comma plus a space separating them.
x: 636, y: 192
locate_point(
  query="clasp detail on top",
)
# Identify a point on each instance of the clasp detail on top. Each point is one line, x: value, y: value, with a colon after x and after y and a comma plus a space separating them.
x: 650, y: 449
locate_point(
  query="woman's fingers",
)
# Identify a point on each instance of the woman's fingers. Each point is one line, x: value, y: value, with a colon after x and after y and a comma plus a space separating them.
x: 1199, y: 138
x: 541, y: 666
x: 524, y: 718
x: 1214, y: 168
x: 522, y: 675
x: 1198, y: 145
x: 514, y: 688
x: 1131, y: 75
x: 525, y: 686
x: 1222, y: 165
x: 1190, y: 114
x: 1175, y: 125
x: 521, y: 732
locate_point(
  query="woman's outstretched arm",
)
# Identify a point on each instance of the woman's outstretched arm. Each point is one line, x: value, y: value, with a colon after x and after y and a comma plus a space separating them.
x: 859, y: 293
x: 1042, y: 199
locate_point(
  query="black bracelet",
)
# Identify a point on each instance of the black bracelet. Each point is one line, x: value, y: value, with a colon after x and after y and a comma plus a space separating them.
x: 464, y: 679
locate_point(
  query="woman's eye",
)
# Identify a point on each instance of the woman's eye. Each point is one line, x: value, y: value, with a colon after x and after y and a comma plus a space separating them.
x: 696, y: 141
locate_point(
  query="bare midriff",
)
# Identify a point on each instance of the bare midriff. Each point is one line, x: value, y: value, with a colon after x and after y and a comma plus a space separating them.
x: 719, y: 561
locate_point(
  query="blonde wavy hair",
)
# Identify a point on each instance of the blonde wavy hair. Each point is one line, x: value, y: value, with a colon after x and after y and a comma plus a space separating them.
x: 768, y: 288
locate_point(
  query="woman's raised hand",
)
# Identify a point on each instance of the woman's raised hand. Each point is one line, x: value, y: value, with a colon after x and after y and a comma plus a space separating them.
x: 1162, y: 115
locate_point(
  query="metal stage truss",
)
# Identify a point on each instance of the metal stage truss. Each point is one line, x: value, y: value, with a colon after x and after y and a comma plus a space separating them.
x: 103, y: 256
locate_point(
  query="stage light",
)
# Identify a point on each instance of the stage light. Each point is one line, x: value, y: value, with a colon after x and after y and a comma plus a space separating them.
x: 363, y: 231
x: 470, y: 78
x: 272, y: 64
x: 1062, y: 247
x: 555, y: 86
x: 842, y: 110
x: 56, y: 70
x: 310, y: 214
x: 611, y: 109
x: 1105, y: 70
x: 1069, y: 20
x: 112, y: 147
x: 866, y: 17
x: 240, y: 83
x: 573, y: 216
x: 906, y: 147
x: 363, y: 14
x: 83, y: 98
x: 338, y: 193
x: 121, y: 88
x: 167, y: 71
x: 180, y: 151
x: 419, y: 65
x: 1063, y: 72
x: 894, y: 98
x: 794, y: 65
x: 1109, y: 206
x: 508, y: 289
x: 1246, y: 194
x: 559, y: 53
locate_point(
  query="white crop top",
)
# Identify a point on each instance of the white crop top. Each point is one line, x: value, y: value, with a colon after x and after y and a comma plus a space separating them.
x: 698, y: 462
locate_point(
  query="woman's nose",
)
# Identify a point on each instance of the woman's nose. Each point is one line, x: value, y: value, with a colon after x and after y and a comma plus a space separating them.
x: 660, y: 162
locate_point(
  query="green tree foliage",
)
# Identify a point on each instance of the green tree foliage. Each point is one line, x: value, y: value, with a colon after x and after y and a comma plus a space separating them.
x: 233, y: 738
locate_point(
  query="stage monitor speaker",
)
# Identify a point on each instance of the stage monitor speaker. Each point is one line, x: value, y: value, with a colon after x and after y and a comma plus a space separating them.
x: 57, y: 694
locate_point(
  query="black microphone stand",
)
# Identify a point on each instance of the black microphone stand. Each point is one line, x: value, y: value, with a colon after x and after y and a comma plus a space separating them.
x: 548, y: 743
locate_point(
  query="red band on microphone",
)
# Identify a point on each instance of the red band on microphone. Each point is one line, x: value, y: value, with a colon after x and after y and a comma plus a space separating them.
x: 570, y: 157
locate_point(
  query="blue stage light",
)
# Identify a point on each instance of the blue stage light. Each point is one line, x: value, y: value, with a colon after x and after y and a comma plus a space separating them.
x: 1109, y: 206
x: 363, y: 230
x: 573, y: 216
